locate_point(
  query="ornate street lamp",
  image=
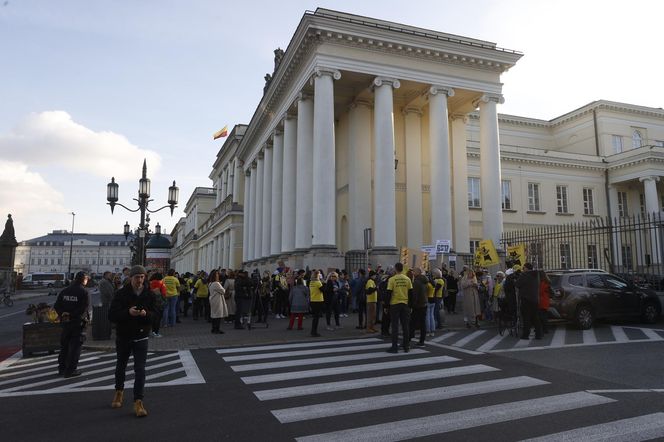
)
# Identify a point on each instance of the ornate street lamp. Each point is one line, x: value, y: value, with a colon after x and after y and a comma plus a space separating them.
x: 112, y: 192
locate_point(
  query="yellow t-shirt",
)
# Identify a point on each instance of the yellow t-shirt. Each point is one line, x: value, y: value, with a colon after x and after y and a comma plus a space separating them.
x: 315, y: 291
x: 371, y: 297
x: 399, y: 284
x: 172, y: 286
x: 201, y: 289
x: 430, y: 291
x: 439, y: 292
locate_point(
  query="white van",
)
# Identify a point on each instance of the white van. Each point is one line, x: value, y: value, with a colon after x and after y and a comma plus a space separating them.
x: 44, y: 280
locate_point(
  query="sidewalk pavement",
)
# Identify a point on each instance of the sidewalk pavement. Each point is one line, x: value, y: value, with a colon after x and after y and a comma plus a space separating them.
x: 190, y: 334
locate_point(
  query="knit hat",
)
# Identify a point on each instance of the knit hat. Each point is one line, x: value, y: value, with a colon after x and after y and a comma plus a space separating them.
x: 137, y: 270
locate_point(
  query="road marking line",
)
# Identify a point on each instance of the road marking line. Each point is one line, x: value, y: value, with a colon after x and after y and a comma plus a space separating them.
x: 646, y: 427
x: 318, y: 361
x: 491, y: 343
x: 52, y: 371
x: 459, y: 349
x: 544, y: 347
x: 354, y: 384
x: 194, y: 375
x: 466, y: 339
x: 45, y: 360
x: 558, y: 339
x: 316, y: 411
x: 652, y: 334
x: 464, y: 419
x: 628, y: 390
x: 12, y: 314
x: 588, y: 336
x: 444, y: 336
x: 299, y: 345
x: 619, y: 334
x: 317, y: 351
x: 345, y: 369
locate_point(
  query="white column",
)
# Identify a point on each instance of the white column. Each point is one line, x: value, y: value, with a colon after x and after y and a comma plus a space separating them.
x: 245, y: 217
x: 288, y: 194
x: 277, y: 190
x: 252, y: 213
x: 439, y: 148
x: 324, y: 188
x: 652, y: 209
x: 304, y: 176
x: 414, y: 222
x: 224, y: 177
x: 219, y: 189
x: 236, y: 176
x: 267, y: 202
x: 385, y: 230
x: 232, y: 246
x: 492, y: 212
x: 359, y: 173
x: 460, y: 171
x: 227, y: 248
x: 258, y: 233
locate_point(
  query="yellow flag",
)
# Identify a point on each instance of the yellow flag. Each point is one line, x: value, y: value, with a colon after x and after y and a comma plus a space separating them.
x: 425, y: 261
x: 517, y: 254
x: 488, y: 255
x: 404, y: 256
x: 221, y: 133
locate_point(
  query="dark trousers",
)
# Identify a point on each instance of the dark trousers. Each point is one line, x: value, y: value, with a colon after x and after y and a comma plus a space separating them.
x: 316, y: 308
x: 71, y: 339
x: 400, y: 313
x: 450, y: 301
x: 216, y: 323
x: 281, y: 303
x: 242, y: 307
x: 436, y: 313
x: 418, y: 320
x: 199, y: 307
x: 385, y: 322
x: 530, y: 316
x: 332, y: 307
x: 156, y: 320
x: 124, y: 347
x: 361, y: 312
x: 543, y: 314
x: 184, y: 298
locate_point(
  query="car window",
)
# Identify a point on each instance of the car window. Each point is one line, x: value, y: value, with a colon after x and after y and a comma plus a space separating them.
x: 614, y: 283
x: 555, y: 281
x: 576, y: 280
x: 594, y: 281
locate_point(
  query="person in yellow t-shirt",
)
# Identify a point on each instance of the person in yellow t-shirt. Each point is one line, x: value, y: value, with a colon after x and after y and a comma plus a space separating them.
x: 201, y: 305
x: 439, y: 294
x: 371, y: 291
x: 316, y: 299
x: 399, y: 287
x: 172, y: 285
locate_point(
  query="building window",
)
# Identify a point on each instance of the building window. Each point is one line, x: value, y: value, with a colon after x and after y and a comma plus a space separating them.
x: 506, y: 194
x: 535, y: 254
x: 622, y: 204
x: 565, y: 256
x: 592, y: 256
x: 474, y: 192
x: 561, y: 198
x: 588, y: 203
x: 637, y: 139
x: 474, y: 245
x: 616, y: 141
x: 533, y: 197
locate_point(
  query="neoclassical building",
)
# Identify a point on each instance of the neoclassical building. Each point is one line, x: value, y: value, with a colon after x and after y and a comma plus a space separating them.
x: 367, y: 124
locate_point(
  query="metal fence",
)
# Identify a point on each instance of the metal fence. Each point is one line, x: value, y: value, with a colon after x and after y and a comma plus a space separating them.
x: 630, y: 246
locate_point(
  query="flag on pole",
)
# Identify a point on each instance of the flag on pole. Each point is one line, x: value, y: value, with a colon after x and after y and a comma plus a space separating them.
x: 220, y: 134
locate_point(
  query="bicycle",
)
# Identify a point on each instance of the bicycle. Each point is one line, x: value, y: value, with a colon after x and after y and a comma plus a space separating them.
x: 6, y: 297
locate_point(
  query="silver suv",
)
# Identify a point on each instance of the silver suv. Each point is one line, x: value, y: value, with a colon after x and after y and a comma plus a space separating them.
x: 583, y: 296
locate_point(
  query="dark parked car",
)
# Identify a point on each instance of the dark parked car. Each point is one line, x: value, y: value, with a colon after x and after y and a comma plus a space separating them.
x: 584, y: 296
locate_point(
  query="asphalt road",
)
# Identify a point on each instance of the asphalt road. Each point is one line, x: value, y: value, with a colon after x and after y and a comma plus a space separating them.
x: 324, y: 390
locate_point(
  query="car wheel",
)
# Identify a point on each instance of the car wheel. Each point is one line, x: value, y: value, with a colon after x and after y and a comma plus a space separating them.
x: 584, y: 317
x: 650, y: 313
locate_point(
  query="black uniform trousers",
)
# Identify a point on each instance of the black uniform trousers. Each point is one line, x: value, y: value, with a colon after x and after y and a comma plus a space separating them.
x: 400, y: 313
x: 71, y: 340
x: 531, y: 318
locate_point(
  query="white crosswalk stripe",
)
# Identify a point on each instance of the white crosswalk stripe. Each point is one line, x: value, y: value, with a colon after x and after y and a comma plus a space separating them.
x: 418, y: 378
x: 297, y: 345
x: 38, y: 376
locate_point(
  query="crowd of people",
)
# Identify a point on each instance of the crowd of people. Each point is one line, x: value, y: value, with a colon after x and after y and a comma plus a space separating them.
x: 141, y: 303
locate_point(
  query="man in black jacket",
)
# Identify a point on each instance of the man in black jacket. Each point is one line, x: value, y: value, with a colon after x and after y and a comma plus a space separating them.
x: 72, y: 307
x: 132, y: 310
x: 528, y: 286
x: 244, y: 291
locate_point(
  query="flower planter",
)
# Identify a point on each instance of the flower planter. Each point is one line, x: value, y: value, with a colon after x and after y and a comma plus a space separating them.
x: 41, y: 337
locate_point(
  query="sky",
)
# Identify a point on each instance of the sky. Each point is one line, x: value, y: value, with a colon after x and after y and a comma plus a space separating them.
x: 89, y: 89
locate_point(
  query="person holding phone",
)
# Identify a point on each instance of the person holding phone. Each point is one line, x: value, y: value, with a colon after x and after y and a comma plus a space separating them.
x: 132, y: 310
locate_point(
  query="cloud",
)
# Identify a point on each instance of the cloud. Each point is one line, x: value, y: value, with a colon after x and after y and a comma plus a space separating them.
x: 53, y: 138
x: 26, y: 195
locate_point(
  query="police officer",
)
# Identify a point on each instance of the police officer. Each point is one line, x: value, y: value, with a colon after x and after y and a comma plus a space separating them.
x: 72, y: 308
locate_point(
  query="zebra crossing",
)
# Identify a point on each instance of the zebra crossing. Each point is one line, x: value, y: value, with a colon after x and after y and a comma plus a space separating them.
x: 38, y: 376
x: 356, y: 392
x: 489, y: 341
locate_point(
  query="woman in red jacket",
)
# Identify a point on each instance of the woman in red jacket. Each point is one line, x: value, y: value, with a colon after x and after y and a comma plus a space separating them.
x: 545, y: 293
x: 158, y: 290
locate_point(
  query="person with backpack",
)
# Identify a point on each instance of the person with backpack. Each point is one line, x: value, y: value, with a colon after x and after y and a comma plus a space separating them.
x: 371, y: 293
x: 361, y: 298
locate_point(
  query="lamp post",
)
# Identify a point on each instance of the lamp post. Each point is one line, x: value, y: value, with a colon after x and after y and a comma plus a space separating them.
x: 143, y: 200
x: 71, y: 245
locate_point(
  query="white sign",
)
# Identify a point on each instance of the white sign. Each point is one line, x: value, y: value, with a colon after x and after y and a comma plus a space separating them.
x: 431, y: 250
x: 443, y: 246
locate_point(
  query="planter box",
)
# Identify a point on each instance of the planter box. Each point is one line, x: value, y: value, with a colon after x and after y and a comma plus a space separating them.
x: 41, y: 337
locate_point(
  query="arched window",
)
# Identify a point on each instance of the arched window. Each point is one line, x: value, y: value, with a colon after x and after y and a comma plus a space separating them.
x: 637, y: 139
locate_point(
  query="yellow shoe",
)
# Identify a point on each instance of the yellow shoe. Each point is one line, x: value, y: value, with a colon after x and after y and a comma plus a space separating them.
x: 139, y: 409
x: 117, y: 399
